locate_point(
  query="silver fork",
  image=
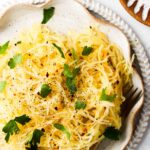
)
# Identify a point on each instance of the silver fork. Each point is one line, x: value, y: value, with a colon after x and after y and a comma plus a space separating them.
x: 132, y: 95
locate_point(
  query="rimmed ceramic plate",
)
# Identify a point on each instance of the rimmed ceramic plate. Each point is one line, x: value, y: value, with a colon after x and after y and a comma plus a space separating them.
x: 71, y: 15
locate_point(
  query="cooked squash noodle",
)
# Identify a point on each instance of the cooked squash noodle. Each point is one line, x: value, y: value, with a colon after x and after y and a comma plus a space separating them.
x: 104, y: 68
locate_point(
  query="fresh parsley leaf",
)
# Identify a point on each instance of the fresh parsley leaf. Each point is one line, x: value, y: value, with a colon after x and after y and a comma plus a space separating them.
x: 19, y: 42
x: 67, y: 71
x: 76, y: 72
x: 75, y: 57
x: 80, y: 104
x: 86, y: 50
x: 70, y: 77
x: 10, y: 128
x: 2, y: 85
x: 63, y: 129
x: 112, y: 133
x: 4, y: 47
x: 11, y: 63
x: 106, y: 97
x: 60, y: 50
x: 17, y: 59
x: 35, y: 139
x: 45, y: 90
x: 47, y: 14
x: 22, y: 119
x: 71, y: 84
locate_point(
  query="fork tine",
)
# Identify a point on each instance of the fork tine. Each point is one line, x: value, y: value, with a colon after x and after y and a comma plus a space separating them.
x: 131, y: 93
x: 138, y: 96
x: 128, y: 88
x: 130, y: 102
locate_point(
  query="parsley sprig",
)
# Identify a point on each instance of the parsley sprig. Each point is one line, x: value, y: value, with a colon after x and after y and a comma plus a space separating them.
x: 80, y: 104
x: 13, y: 62
x: 75, y: 57
x: 71, y: 77
x: 36, y: 136
x: 2, y: 85
x: 45, y: 90
x: 4, y: 47
x: 48, y: 14
x: 63, y: 129
x: 105, y: 97
x: 59, y: 49
x: 112, y: 133
x: 87, y: 50
x: 12, y: 128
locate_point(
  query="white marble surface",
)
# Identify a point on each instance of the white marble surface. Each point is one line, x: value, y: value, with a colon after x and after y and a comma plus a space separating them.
x: 143, y: 33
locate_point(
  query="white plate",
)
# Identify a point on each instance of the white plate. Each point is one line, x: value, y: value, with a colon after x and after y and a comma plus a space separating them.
x: 70, y: 15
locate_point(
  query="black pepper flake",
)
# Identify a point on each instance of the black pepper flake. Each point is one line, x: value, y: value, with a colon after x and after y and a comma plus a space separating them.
x: 70, y: 54
x: 38, y: 93
x: 43, y: 130
x: 46, y: 42
x: 72, y: 95
x: 47, y: 74
x: 90, y: 27
x: 56, y: 108
x: 117, y: 82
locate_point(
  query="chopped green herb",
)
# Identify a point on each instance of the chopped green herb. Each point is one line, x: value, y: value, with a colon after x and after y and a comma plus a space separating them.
x: 45, y: 90
x: 70, y: 77
x: 67, y: 71
x: 4, y: 47
x: 47, y: 14
x: 11, y: 63
x: 2, y: 85
x: 86, y: 50
x: 71, y: 84
x: 75, y: 57
x: 106, y: 97
x: 11, y: 127
x: 80, y: 104
x: 112, y: 133
x: 17, y: 59
x: 60, y: 50
x: 63, y: 129
x: 76, y: 72
x: 22, y: 119
x: 19, y: 42
x: 35, y: 139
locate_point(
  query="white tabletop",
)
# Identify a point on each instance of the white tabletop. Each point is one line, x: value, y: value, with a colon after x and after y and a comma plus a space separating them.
x: 143, y: 33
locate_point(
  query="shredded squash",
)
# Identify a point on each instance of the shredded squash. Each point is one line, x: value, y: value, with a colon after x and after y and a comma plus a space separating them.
x: 104, y: 68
